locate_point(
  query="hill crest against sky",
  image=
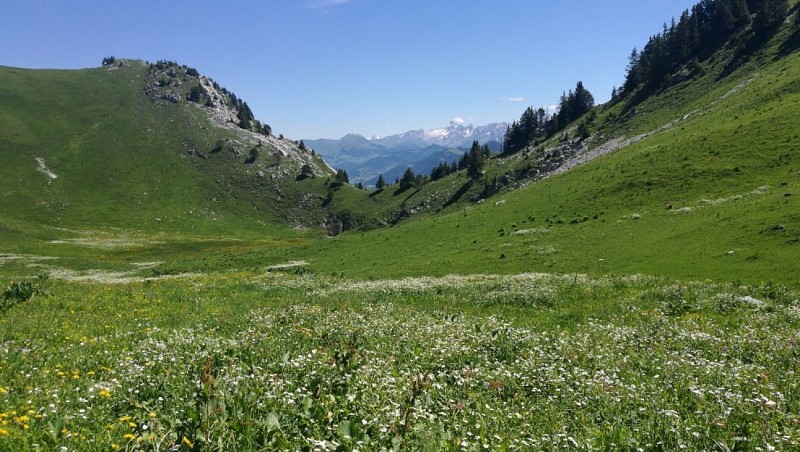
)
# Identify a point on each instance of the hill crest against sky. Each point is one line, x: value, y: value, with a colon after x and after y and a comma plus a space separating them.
x: 324, y: 69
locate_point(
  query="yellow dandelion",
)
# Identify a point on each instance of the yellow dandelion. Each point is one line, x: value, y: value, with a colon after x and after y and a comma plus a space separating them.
x: 186, y: 442
x: 115, y: 447
x: 152, y: 415
x: 3, y: 432
x: 125, y: 419
x: 105, y: 393
x: 3, y: 390
x: 129, y: 437
x: 132, y: 424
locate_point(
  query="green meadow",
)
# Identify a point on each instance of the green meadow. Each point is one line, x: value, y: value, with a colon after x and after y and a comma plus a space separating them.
x: 288, y: 360
x: 160, y: 292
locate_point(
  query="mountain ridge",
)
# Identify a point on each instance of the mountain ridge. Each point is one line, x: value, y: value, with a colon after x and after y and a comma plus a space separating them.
x: 367, y: 158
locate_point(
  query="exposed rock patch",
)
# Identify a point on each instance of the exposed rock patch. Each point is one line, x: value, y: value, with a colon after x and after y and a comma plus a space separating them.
x: 41, y: 166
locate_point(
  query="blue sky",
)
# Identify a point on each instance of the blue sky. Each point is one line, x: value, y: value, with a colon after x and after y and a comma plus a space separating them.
x: 325, y: 68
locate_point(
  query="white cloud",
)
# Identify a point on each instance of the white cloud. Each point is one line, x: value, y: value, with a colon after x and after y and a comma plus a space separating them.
x: 513, y: 99
x: 457, y: 120
x: 324, y: 4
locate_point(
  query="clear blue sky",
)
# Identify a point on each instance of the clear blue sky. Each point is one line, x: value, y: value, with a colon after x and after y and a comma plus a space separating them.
x: 325, y: 68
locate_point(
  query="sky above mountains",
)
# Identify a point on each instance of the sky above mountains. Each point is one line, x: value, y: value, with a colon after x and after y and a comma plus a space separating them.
x: 325, y: 68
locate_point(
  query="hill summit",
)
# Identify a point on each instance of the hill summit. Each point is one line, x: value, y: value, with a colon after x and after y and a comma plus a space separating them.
x: 140, y: 143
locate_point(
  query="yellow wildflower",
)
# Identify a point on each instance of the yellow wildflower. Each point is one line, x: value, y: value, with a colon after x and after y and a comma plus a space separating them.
x: 152, y: 415
x: 186, y: 442
x: 3, y: 432
x: 125, y: 419
x: 129, y: 437
x: 105, y: 393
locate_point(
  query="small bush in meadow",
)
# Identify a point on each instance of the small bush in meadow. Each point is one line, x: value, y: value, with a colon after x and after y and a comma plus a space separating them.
x: 22, y: 291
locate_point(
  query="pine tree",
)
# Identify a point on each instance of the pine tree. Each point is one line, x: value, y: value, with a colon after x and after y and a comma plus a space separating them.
x: 341, y: 177
x: 583, y: 101
x: 408, y: 179
x: 770, y: 13
x: 633, y: 77
x: 245, y: 115
x: 475, y: 161
x: 381, y: 182
x: 196, y: 93
x: 463, y: 161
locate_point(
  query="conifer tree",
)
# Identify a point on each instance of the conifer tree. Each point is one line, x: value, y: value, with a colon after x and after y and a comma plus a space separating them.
x: 408, y: 179
x: 342, y: 177
x: 770, y: 13
x: 381, y: 183
x: 475, y: 160
x: 633, y: 77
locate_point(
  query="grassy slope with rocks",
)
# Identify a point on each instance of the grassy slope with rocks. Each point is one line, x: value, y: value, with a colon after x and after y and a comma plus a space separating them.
x: 710, y: 190
x: 121, y: 146
x: 705, y: 189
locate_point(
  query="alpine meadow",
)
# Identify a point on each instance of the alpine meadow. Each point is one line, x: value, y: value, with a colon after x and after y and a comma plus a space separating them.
x: 618, y: 276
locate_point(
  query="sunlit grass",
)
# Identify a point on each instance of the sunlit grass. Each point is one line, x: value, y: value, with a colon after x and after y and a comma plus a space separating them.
x: 281, y: 360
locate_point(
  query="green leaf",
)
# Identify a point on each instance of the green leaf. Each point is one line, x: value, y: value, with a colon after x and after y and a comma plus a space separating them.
x: 344, y: 430
x: 273, y: 423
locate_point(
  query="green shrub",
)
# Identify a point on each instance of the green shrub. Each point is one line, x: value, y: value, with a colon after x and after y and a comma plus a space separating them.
x: 21, y: 291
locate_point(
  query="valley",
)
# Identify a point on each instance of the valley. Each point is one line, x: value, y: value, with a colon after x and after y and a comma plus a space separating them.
x: 176, y: 276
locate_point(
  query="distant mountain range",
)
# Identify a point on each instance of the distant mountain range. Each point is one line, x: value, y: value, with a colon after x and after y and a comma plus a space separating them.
x: 365, y: 159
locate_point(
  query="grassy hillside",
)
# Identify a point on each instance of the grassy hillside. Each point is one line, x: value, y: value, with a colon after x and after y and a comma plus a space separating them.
x: 705, y: 186
x: 100, y: 148
x: 709, y: 190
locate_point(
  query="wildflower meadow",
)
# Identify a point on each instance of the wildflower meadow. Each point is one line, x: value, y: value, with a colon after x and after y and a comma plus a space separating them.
x: 291, y: 361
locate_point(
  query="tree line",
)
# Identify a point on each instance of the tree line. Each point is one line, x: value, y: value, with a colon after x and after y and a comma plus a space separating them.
x: 696, y: 35
x: 536, y: 124
x: 473, y: 161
